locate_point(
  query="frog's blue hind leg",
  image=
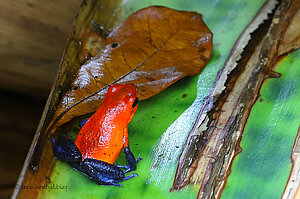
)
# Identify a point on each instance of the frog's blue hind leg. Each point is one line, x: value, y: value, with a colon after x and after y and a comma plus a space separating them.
x: 101, y: 172
x: 64, y: 149
x: 132, y: 162
x: 93, y: 175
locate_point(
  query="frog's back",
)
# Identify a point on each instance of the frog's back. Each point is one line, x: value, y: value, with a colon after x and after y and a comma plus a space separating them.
x: 100, y: 138
x: 104, y: 134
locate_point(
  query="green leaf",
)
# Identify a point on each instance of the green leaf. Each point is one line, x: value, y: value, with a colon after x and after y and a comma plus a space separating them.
x: 263, y: 167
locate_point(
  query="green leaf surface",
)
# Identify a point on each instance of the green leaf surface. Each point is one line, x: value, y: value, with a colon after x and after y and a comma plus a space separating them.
x: 262, y: 169
x: 162, y: 123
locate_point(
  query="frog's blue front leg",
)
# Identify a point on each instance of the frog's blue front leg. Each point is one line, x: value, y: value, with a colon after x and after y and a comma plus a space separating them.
x: 132, y: 162
x: 83, y: 122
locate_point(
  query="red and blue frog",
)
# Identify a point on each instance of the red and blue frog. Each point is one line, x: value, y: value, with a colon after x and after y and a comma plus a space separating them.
x: 102, y: 138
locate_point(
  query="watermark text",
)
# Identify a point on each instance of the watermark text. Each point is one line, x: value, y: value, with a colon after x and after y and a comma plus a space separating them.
x: 46, y: 186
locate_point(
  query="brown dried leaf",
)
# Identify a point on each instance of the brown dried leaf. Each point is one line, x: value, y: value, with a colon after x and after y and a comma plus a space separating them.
x: 153, y: 48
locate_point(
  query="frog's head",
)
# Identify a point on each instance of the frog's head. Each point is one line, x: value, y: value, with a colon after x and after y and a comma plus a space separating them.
x: 125, y: 97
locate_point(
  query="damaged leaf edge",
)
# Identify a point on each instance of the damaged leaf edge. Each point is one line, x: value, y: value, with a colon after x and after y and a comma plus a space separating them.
x: 219, y: 85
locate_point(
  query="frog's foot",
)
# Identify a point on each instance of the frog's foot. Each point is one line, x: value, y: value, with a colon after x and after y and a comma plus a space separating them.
x: 64, y: 149
x: 102, y: 172
x: 132, y: 162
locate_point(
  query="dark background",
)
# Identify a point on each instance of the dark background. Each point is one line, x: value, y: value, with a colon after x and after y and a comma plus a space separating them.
x: 33, y: 36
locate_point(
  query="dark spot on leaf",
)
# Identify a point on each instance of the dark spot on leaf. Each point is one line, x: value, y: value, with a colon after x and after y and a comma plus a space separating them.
x: 84, y: 3
x: 115, y: 45
x: 89, y: 54
x: 150, y: 78
x: 261, y: 100
x: 153, y: 117
x: 30, y: 5
x: 201, y: 49
x: 184, y: 95
x: 98, y: 28
x: 175, y: 111
x: 203, y: 58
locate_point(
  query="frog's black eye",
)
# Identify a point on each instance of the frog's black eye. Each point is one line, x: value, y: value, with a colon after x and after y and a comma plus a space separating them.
x: 135, y: 102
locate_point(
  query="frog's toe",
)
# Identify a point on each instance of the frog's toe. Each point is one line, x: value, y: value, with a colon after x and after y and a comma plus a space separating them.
x: 110, y: 182
x: 122, y: 166
x: 138, y: 159
x: 128, y: 168
x: 131, y: 176
x: 64, y: 149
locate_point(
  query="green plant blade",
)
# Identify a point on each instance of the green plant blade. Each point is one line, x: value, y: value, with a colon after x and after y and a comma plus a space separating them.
x: 263, y: 167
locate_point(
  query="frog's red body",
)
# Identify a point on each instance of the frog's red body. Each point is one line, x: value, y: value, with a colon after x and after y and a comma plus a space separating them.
x: 105, y: 134
x: 102, y: 138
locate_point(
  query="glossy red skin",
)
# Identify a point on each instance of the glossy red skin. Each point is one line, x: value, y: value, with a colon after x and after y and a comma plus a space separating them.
x: 105, y: 134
